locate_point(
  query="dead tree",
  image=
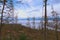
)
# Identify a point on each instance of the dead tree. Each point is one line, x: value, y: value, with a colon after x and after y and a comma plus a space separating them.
x: 41, y: 24
x: 6, y: 12
x: 28, y: 22
x: 55, y: 21
x: 10, y: 6
x: 45, y: 20
x: 3, y: 2
x: 33, y: 22
x: 16, y: 19
x: 42, y: 20
x: 2, y: 11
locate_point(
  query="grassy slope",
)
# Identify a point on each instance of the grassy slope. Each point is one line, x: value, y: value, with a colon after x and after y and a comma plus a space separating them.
x: 14, y: 32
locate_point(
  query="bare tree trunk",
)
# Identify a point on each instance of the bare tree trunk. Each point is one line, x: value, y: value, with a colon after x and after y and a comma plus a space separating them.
x: 33, y: 22
x: 28, y: 22
x: 45, y: 23
x: 2, y: 17
x: 56, y: 27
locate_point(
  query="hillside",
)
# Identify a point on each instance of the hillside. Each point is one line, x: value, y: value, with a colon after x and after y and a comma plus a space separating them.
x: 19, y: 32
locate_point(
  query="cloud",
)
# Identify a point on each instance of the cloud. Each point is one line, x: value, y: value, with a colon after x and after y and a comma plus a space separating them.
x: 53, y: 1
x: 21, y: 13
x: 56, y: 1
x: 36, y: 11
x: 32, y: 3
x: 29, y: 1
x: 57, y: 7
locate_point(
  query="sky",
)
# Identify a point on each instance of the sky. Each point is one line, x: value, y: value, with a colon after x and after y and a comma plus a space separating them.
x: 34, y: 8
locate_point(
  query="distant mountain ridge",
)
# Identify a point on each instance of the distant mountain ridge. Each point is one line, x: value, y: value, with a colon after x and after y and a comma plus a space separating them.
x: 37, y: 18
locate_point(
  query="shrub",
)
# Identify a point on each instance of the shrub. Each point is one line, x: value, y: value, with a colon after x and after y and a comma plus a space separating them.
x: 23, y: 37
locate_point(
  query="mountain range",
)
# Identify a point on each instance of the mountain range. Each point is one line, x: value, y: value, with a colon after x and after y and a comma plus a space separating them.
x: 37, y: 18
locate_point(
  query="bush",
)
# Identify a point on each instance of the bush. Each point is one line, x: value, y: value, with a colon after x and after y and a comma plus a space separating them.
x: 23, y: 37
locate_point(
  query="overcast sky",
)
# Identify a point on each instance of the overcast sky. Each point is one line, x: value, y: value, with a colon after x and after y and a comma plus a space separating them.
x: 33, y: 8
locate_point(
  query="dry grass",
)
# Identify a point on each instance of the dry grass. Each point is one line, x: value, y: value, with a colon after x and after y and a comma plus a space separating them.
x: 13, y: 32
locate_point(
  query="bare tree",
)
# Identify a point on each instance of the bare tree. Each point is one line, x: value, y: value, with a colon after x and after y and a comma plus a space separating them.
x: 7, y: 12
x: 2, y: 16
x: 28, y: 22
x: 55, y: 21
x: 45, y: 20
x: 10, y: 6
x: 33, y: 22
x: 16, y: 19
